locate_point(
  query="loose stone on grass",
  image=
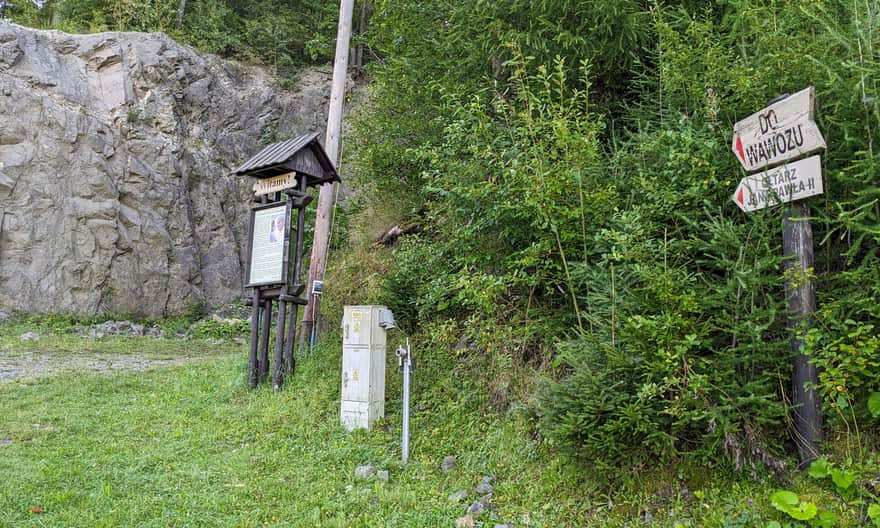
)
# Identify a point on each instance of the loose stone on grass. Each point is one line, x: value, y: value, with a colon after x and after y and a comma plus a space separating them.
x: 117, y: 328
x: 365, y: 472
x: 485, y: 487
x: 448, y: 464
x: 5, y: 442
x: 458, y: 496
x: 382, y: 475
x: 465, y: 522
x: 478, y: 507
x: 30, y: 336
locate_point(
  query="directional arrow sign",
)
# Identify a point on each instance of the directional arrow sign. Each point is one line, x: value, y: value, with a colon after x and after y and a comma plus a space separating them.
x: 782, y: 131
x: 793, y: 181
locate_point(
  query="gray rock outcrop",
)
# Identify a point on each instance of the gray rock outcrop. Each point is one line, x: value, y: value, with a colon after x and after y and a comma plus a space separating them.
x: 115, y: 158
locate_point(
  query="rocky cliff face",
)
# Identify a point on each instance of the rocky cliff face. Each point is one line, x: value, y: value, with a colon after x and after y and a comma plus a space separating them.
x: 115, y: 158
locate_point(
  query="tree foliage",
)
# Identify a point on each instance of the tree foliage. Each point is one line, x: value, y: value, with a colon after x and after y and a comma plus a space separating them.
x: 283, y: 34
x: 571, y: 164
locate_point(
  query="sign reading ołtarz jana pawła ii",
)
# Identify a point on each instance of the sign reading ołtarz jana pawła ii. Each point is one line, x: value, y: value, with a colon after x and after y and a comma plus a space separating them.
x: 793, y: 181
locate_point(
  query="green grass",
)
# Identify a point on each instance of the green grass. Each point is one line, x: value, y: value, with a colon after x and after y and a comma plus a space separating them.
x: 192, y: 446
x: 61, y: 346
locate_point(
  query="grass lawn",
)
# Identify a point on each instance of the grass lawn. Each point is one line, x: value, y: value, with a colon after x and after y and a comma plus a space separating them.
x: 192, y: 446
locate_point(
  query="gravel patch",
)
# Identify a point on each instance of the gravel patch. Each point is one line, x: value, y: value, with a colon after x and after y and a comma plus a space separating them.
x: 39, y: 365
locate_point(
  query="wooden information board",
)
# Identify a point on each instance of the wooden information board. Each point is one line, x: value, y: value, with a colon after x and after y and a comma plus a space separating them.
x: 268, y: 233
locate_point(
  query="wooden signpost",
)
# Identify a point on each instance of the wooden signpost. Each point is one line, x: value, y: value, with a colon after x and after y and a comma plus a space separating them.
x: 793, y: 181
x: 774, y: 144
x: 284, y: 172
x: 782, y: 131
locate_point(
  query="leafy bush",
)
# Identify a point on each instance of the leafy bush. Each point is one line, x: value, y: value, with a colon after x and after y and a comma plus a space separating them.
x: 221, y: 328
x: 596, y: 206
x: 280, y: 34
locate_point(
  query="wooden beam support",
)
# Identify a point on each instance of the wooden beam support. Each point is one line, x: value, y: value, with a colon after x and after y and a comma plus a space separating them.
x: 278, y: 373
x: 264, y: 340
x: 253, y: 364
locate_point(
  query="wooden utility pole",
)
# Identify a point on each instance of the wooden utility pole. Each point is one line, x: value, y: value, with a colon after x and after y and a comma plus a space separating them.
x: 318, y: 262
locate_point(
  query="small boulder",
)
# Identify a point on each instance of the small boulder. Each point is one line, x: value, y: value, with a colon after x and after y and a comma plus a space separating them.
x: 382, y: 475
x: 448, y: 464
x: 478, y: 507
x: 465, y: 522
x: 485, y: 487
x: 458, y: 496
x: 365, y: 472
x: 30, y: 336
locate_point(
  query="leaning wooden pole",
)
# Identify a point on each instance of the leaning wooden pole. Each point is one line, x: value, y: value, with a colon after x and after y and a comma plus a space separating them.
x: 318, y: 262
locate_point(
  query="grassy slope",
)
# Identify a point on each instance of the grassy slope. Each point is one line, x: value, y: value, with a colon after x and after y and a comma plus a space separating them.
x: 192, y: 446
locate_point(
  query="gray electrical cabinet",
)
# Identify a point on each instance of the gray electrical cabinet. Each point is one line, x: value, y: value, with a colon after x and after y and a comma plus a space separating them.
x: 363, y: 365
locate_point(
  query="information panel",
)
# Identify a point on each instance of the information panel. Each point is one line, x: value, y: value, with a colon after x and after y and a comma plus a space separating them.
x: 267, y: 246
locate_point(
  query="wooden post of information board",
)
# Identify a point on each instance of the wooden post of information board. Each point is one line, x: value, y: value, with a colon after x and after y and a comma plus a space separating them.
x: 800, y: 291
x: 253, y: 364
x: 265, y: 323
x: 300, y: 202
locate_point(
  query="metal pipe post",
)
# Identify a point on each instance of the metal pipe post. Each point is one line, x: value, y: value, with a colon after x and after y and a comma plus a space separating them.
x: 407, y: 367
x: 313, y: 331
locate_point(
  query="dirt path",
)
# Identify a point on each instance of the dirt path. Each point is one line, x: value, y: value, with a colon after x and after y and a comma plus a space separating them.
x: 21, y: 367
